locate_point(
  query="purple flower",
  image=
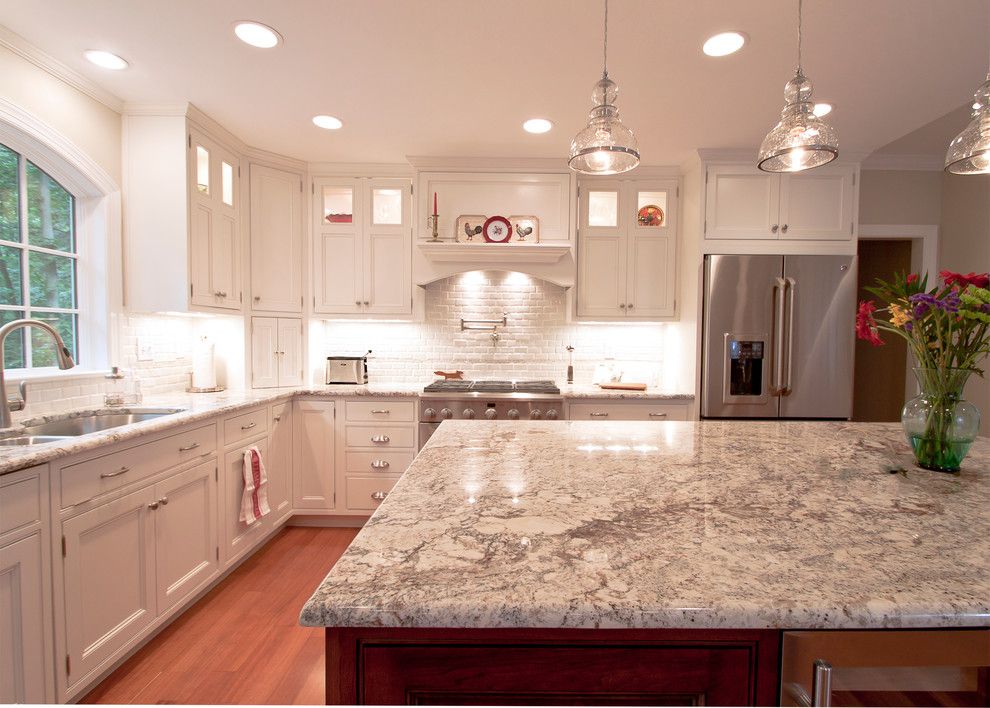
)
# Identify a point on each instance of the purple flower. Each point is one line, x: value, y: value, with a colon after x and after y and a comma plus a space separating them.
x: 951, y: 302
x: 925, y: 301
x: 985, y: 308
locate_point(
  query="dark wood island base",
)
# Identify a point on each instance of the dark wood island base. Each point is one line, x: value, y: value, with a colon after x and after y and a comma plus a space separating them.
x: 442, y: 666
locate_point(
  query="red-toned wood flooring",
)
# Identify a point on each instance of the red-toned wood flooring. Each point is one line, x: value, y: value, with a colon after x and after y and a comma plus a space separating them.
x: 241, y: 642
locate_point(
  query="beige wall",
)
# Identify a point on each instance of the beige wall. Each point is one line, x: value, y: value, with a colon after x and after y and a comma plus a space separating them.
x: 965, y: 247
x: 900, y: 197
x: 93, y: 127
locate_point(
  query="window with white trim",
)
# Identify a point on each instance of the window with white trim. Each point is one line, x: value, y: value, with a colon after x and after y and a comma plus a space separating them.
x: 38, y: 261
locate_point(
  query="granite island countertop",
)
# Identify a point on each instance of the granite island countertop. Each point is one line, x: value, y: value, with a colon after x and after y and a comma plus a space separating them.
x: 725, y: 524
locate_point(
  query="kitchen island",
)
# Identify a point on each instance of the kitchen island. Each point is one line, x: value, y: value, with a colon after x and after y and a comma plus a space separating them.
x: 635, y: 562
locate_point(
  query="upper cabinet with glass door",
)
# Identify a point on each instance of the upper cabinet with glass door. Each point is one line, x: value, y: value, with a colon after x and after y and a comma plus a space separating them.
x: 627, y: 244
x: 182, y: 215
x: 362, y: 247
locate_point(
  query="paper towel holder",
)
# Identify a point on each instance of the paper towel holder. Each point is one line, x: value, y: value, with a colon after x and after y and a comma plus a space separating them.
x: 194, y: 389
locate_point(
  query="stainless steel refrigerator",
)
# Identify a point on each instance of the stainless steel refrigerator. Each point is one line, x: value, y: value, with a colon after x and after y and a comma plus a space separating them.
x: 778, y: 337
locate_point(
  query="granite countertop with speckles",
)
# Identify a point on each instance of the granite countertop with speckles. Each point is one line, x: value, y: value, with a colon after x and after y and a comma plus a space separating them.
x: 730, y: 524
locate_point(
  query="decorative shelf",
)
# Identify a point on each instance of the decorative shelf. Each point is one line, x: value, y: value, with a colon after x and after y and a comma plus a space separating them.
x: 493, y: 253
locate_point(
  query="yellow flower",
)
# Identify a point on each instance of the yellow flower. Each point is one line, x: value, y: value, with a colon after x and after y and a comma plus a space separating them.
x: 899, y: 316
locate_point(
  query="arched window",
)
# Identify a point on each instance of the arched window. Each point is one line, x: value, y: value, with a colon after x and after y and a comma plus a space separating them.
x: 38, y: 260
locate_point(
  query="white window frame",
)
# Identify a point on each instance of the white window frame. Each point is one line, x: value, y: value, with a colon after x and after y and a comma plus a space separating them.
x: 97, y: 197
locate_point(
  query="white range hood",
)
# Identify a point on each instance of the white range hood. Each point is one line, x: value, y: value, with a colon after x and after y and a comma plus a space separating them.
x: 554, y: 262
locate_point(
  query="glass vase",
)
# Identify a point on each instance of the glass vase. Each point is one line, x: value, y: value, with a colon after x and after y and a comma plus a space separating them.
x: 939, y: 423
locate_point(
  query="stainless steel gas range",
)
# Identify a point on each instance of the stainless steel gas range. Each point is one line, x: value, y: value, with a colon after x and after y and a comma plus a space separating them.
x: 487, y: 400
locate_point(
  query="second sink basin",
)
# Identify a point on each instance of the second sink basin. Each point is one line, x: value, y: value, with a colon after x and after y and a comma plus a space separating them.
x: 91, y: 423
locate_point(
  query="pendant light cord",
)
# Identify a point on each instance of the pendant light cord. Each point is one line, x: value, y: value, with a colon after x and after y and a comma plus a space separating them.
x: 605, y: 43
x: 799, y: 37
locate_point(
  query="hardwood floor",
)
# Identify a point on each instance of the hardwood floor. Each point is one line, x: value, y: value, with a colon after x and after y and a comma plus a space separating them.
x: 241, y: 643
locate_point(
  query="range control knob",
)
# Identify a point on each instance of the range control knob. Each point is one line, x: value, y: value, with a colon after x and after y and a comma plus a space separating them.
x: 446, y: 413
x: 468, y: 413
x: 552, y: 414
x: 490, y: 414
x: 536, y: 414
x: 513, y: 414
x: 429, y: 413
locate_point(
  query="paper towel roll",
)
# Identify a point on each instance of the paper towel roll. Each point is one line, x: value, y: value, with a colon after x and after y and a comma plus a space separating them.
x: 204, y: 369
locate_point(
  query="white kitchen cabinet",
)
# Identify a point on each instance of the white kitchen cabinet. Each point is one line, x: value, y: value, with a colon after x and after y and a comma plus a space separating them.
x: 26, y: 653
x: 182, y: 238
x: 313, y: 456
x: 627, y: 260
x: 276, y: 240
x: 276, y: 352
x: 744, y: 203
x: 279, y: 464
x: 239, y: 537
x: 362, y: 247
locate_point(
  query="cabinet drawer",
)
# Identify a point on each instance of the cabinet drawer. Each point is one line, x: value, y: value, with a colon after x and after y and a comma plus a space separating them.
x: 627, y: 411
x: 385, y: 435
x: 20, y: 500
x: 362, y: 491
x: 244, y: 426
x: 86, y: 480
x: 384, y: 462
x: 379, y: 411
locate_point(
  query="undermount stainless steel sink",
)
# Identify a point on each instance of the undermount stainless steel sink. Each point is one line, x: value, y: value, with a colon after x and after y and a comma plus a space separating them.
x: 31, y: 440
x: 83, y: 424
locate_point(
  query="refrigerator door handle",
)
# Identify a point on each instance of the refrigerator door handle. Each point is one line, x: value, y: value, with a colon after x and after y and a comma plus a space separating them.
x: 777, y: 327
x: 789, y: 288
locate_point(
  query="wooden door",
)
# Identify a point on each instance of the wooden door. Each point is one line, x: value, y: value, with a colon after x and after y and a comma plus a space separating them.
x: 22, y: 622
x: 313, y: 458
x: 279, y: 464
x: 109, y: 576
x: 387, y: 248
x: 264, y: 352
x: 239, y: 537
x: 276, y: 240
x: 338, y: 258
x: 651, y: 252
x: 741, y: 202
x: 602, y: 258
x: 186, y: 549
x: 818, y: 204
x: 290, y: 346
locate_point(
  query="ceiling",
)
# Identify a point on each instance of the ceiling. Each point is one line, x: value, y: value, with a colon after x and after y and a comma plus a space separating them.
x: 458, y: 77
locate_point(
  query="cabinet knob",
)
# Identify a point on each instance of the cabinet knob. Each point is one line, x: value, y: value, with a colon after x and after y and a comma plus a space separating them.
x: 163, y: 501
x: 622, y: 306
x: 773, y: 229
x: 358, y: 303
x: 380, y: 439
x: 784, y: 228
x: 153, y: 505
x: 220, y: 293
x: 379, y: 464
x: 379, y: 496
x: 277, y: 418
x: 630, y: 306
x: 366, y: 303
x: 257, y: 298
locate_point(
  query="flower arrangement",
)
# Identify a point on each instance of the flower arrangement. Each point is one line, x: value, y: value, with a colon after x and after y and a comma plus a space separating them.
x: 948, y: 331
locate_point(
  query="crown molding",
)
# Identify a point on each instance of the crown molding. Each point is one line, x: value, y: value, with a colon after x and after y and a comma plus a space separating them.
x: 131, y: 108
x: 846, y: 157
x: 351, y: 169
x: 27, y: 51
x: 488, y: 164
x: 266, y: 158
x: 881, y: 161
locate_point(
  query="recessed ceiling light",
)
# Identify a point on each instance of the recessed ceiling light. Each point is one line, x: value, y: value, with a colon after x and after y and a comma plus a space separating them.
x: 724, y: 43
x: 257, y: 35
x: 328, y: 122
x: 823, y: 109
x: 105, y: 60
x: 537, y: 125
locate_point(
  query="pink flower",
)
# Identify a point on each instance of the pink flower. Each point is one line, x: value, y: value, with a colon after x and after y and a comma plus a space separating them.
x: 866, y: 325
x: 980, y: 280
x: 912, y: 279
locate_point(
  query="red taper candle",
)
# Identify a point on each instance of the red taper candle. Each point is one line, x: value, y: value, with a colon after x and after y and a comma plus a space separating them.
x: 434, y: 204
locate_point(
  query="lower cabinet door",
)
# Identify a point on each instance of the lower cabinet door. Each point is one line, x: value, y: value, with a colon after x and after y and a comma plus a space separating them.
x: 240, y: 536
x: 22, y: 622
x: 109, y: 575
x: 313, y: 460
x: 279, y: 463
x: 187, y: 550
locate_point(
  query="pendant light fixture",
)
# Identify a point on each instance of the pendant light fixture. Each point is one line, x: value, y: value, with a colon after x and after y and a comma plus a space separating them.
x: 969, y: 152
x: 605, y: 146
x: 801, y: 140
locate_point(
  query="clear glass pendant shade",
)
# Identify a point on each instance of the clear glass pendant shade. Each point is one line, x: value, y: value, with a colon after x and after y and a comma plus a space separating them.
x: 605, y: 146
x: 969, y: 152
x: 801, y: 140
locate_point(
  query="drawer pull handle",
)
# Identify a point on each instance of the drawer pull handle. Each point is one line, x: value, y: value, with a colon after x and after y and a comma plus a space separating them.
x: 187, y: 448
x: 599, y: 415
x: 163, y: 501
x: 153, y: 505
x: 379, y: 439
x: 248, y: 426
x: 658, y: 415
x: 379, y: 464
x: 122, y: 470
x: 382, y: 411
x: 379, y: 496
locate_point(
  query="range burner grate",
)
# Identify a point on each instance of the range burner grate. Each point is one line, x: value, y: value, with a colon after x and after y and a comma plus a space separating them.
x: 459, y: 386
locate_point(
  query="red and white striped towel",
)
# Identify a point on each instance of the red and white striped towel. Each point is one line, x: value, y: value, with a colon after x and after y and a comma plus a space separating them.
x: 254, y: 502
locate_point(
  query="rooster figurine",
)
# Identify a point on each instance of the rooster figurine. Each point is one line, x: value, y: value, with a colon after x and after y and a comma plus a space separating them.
x: 523, y: 231
x: 471, y: 231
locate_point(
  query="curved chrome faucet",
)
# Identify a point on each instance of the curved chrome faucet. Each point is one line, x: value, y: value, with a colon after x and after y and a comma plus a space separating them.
x: 61, y: 352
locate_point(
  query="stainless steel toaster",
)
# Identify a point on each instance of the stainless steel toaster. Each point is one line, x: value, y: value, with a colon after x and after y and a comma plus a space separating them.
x: 347, y: 369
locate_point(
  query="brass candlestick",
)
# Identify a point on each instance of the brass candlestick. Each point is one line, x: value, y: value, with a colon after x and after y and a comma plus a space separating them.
x: 433, y: 221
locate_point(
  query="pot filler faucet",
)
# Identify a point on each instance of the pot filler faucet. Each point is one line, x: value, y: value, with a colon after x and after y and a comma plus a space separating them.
x: 61, y: 351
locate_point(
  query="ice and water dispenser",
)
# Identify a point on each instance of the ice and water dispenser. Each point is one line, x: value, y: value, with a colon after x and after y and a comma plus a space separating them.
x: 746, y: 367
